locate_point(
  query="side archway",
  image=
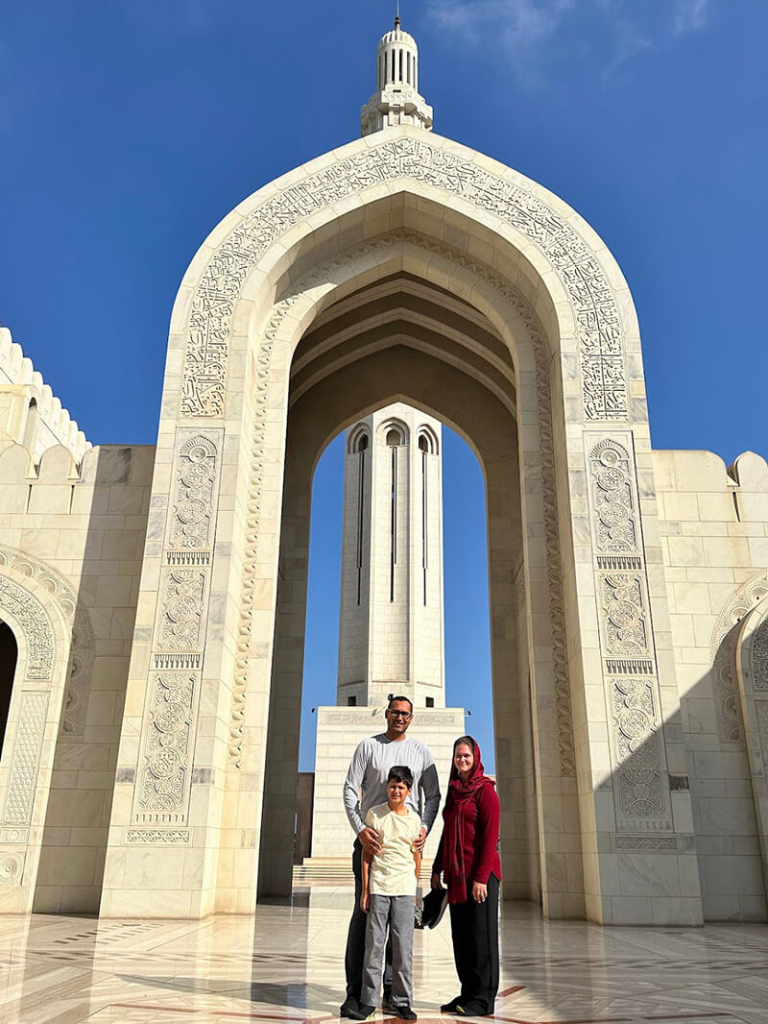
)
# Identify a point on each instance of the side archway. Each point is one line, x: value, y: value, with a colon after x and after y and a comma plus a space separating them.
x: 43, y: 639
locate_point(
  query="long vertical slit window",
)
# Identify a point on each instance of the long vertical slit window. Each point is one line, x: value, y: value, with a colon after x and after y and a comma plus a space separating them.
x: 408, y: 68
x: 401, y: 65
x: 394, y: 58
x: 393, y: 440
x: 362, y: 444
x: 424, y: 516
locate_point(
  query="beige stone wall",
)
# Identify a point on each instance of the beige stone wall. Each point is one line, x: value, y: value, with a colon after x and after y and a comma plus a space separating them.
x: 77, y: 534
x: 714, y: 525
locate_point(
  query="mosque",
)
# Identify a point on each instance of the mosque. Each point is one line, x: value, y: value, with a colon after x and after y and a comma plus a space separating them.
x: 152, y: 598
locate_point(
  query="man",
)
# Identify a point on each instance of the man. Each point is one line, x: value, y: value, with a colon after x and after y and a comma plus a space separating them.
x: 364, y: 788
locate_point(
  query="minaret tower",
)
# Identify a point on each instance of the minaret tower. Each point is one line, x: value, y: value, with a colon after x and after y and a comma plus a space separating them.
x: 397, y: 99
x: 391, y: 620
x: 391, y: 616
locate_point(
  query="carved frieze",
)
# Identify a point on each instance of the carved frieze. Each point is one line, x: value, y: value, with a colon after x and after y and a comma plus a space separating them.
x: 11, y: 868
x: 158, y: 836
x: 25, y: 758
x: 168, y: 733
x: 603, y: 370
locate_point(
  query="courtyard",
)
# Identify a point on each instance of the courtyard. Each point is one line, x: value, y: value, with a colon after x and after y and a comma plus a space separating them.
x: 286, y: 964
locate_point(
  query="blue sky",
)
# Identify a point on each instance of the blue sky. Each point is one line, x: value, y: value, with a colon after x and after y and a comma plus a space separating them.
x: 129, y: 128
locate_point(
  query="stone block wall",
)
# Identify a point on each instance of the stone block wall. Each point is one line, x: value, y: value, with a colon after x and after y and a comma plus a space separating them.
x: 78, y: 530
x: 714, y: 524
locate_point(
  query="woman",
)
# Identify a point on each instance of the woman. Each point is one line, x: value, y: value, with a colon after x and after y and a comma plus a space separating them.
x: 468, y: 859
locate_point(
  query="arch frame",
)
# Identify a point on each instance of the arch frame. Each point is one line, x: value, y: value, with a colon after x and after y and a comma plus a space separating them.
x: 43, y: 632
x: 255, y: 287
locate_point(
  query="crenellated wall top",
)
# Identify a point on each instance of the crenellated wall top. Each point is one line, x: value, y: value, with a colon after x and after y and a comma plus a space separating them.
x: 25, y: 390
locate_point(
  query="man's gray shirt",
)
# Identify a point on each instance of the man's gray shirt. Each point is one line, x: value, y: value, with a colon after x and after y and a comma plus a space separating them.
x: 366, y: 783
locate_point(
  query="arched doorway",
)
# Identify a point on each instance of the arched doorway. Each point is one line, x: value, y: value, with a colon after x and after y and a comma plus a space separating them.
x: 9, y: 655
x: 404, y: 339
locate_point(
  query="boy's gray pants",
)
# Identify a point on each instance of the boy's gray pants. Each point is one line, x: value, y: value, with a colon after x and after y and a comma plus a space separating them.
x: 398, y: 912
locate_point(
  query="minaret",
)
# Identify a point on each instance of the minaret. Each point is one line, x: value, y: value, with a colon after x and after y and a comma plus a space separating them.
x: 397, y: 99
x: 391, y: 617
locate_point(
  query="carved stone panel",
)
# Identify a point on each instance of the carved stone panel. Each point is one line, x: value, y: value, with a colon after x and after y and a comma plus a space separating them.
x: 625, y: 622
x: 168, y: 731
x: 642, y: 791
x: 25, y: 759
x: 603, y: 371
x: 196, y: 483
x: 181, y: 612
x: 616, y: 525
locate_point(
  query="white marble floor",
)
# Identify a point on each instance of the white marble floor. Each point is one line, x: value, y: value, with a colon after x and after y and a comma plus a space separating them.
x: 285, y: 966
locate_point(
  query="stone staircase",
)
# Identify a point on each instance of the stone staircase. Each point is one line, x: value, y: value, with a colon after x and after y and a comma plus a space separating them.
x: 334, y: 871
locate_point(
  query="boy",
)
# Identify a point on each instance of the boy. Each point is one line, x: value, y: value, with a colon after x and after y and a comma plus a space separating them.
x: 389, y: 886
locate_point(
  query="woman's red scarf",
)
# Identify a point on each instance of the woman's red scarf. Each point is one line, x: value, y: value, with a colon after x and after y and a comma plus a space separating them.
x: 460, y: 794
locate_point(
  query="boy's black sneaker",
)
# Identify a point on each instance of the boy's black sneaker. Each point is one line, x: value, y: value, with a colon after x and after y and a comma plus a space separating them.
x: 450, y: 1007
x: 405, y: 1013
x: 362, y: 1012
x: 349, y: 1006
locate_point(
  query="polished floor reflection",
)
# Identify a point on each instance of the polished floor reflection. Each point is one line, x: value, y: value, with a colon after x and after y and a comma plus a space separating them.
x: 287, y: 965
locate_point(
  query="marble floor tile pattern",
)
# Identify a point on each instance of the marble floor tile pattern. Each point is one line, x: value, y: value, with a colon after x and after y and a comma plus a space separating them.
x: 285, y: 966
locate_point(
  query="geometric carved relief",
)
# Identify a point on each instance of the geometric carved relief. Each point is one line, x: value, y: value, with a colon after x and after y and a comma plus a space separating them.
x: 11, y: 868
x: 616, y: 525
x: 181, y: 616
x: 642, y: 787
x: 82, y: 639
x: 625, y: 621
x: 602, y: 363
x: 196, y: 488
x: 722, y: 656
x: 162, y: 794
x: 25, y: 758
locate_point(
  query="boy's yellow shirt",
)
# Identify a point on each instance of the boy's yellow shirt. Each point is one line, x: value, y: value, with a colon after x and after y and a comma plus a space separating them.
x: 393, y: 870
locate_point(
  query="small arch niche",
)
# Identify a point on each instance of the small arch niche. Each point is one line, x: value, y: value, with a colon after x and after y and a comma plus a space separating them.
x: 30, y: 426
x: 9, y: 654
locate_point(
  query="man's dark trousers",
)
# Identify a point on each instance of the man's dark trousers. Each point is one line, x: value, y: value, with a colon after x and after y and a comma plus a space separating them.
x: 355, y: 955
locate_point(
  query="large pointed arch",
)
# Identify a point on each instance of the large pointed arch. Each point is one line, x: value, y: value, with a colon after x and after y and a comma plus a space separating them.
x: 547, y: 288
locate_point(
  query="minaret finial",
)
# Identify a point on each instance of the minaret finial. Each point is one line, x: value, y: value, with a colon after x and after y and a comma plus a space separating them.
x: 397, y: 100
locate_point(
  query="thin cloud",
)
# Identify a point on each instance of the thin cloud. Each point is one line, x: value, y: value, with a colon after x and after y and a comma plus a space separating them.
x: 529, y: 30
x: 691, y: 16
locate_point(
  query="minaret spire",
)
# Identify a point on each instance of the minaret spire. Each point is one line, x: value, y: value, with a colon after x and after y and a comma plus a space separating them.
x: 397, y: 99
